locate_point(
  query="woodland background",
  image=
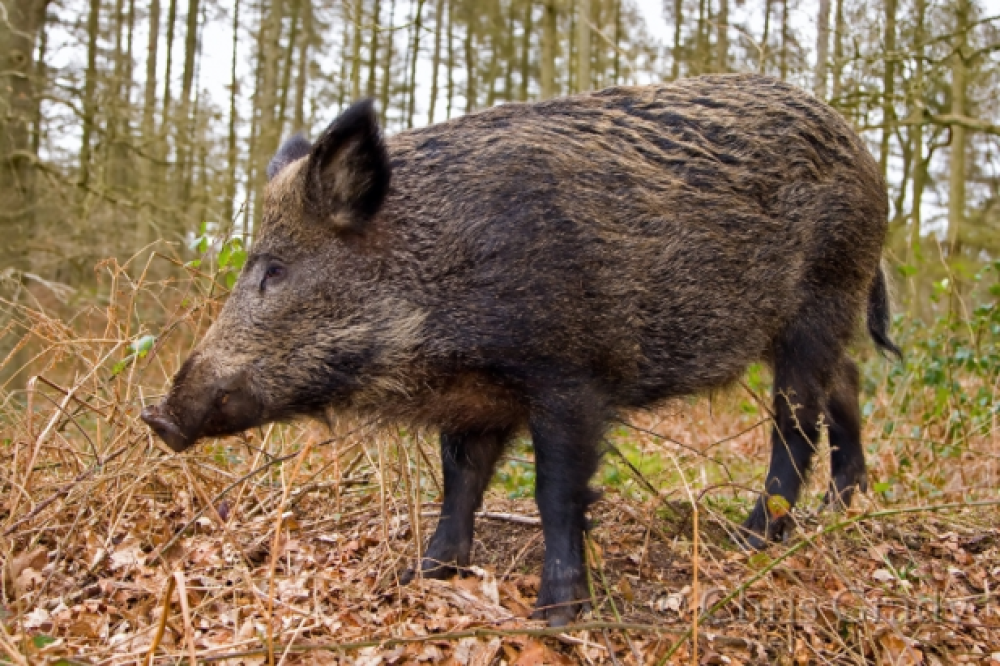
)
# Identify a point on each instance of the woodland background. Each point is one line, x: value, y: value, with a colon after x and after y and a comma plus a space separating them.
x: 133, y: 140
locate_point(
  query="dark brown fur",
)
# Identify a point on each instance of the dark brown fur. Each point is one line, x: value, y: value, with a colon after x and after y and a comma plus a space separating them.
x: 552, y: 265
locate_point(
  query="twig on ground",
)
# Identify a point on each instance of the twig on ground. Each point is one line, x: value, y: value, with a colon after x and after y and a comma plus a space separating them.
x: 809, y: 540
x: 162, y: 625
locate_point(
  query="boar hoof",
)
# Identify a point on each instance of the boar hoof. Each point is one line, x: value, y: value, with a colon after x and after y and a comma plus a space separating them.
x: 760, y: 529
x: 430, y: 569
x: 842, y: 489
x: 560, y: 604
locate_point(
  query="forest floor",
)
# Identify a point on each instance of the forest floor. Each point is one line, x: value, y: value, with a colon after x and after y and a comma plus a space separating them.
x: 291, y: 540
x: 197, y: 556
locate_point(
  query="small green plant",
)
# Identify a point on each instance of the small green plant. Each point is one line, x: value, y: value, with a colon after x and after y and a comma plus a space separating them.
x: 137, y: 349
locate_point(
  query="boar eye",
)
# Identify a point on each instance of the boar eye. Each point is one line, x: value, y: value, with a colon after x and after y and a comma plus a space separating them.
x: 271, y: 273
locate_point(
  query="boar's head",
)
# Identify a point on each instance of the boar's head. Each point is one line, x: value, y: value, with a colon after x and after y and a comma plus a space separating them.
x: 305, y: 321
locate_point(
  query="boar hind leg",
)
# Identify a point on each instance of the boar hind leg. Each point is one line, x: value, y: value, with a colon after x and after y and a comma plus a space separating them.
x: 565, y: 431
x: 847, y: 457
x: 468, y: 461
x: 801, y: 362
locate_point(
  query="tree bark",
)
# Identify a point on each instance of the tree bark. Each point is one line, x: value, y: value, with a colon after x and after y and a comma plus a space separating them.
x: 470, y: 60
x: 722, y: 36
x: 185, y: 123
x: 373, y: 48
x: 957, y: 161
x: 888, y: 86
x: 232, y: 147
x: 784, y: 40
x: 18, y: 104
x: 89, y: 90
x: 387, y: 67
x: 618, y: 41
x: 822, y: 48
x: 698, y: 62
x: 286, y: 68
x: 583, y: 81
x: 165, y: 114
x: 838, y: 50
x: 417, y: 28
x: 765, y: 36
x: 358, y: 19
x: 439, y: 22
x: 269, y: 50
x: 451, y: 58
x: 549, y: 48
x: 675, y: 66
x: 526, y: 49
x: 914, y: 254
x: 18, y: 107
x: 302, y: 78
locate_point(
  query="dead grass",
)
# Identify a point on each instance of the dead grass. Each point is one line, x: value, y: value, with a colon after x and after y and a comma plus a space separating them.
x: 285, y: 545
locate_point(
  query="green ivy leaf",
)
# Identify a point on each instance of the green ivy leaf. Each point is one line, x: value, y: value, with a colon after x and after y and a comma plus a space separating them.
x: 142, y: 346
x: 41, y: 641
x: 778, y: 506
x: 881, y: 487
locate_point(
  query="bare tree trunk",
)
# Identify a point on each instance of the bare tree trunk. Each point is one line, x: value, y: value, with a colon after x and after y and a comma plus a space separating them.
x: 185, y: 125
x: 286, y: 69
x: 838, y: 49
x: 358, y: 19
x: 387, y: 67
x: 89, y: 90
x: 550, y: 45
x: 451, y: 58
x: 888, y: 85
x: 267, y: 93
x: 344, y: 80
x: 675, y: 66
x: 572, y: 69
x: 764, y: 37
x: 496, y: 28
x: 470, y: 61
x: 784, y: 40
x: 698, y: 62
x: 231, y: 152
x: 919, y: 163
x: 40, y: 81
x: 439, y: 21
x: 302, y: 78
x: 417, y: 28
x: 618, y: 40
x: 956, y: 181
x: 506, y: 28
x: 526, y: 49
x: 822, y: 48
x: 18, y: 29
x: 373, y: 48
x: 583, y: 81
x: 24, y: 19
x: 722, y: 36
x: 165, y: 115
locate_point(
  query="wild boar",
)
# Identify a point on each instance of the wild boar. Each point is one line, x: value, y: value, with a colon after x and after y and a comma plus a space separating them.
x: 548, y: 267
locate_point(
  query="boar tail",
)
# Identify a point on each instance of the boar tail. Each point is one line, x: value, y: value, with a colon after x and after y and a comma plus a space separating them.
x: 878, y: 315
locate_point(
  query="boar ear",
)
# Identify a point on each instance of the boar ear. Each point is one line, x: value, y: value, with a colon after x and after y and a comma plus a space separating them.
x: 348, y: 172
x: 291, y: 150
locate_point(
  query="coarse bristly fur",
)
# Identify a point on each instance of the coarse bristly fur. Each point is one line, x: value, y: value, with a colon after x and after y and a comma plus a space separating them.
x: 550, y: 266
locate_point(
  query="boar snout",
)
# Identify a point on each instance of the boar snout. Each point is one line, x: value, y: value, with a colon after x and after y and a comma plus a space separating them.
x: 203, y: 405
x: 165, y: 428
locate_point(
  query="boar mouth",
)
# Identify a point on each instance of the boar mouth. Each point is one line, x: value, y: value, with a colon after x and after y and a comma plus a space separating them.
x: 166, y: 429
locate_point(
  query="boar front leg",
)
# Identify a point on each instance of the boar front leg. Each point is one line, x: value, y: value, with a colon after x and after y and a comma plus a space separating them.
x: 565, y: 431
x: 468, y: 461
